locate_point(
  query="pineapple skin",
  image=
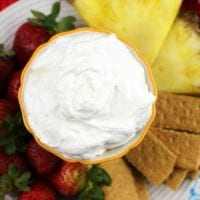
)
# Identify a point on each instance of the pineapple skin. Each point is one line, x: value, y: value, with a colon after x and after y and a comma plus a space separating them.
x: 143, y: 23
x: 177, y: 67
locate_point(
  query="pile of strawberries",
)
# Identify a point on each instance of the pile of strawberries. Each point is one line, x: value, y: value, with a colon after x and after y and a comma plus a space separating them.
x: 27, y: 170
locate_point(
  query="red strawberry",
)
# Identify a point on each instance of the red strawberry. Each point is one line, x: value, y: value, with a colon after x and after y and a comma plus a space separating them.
x: 6, y: 3
x: 197, y: 9
x: 188, y: 5
x: 6, y: 68
x: 191, y: 11
x: 6, y: 108
x: 19, y: 162
x: 13, y: 86
x: 15, y: 160
x: 70, y: 178
x: 28, y: 37
x: 4, y: 161
x: 38, y: 30
x: 41, y: 160
x: 38, y: 191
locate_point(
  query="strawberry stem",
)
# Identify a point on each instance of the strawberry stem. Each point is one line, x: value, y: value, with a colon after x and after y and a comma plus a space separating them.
x: 6, y: 53
x: 97, y: 177
x: 14, y: 182
x: 50, y: 23
x: 15, y: 134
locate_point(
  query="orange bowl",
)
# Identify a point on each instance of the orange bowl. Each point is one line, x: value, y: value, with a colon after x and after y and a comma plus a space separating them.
x: 109, y: 154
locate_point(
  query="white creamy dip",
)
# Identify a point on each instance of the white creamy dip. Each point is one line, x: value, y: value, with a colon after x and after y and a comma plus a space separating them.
x: 85, y: 93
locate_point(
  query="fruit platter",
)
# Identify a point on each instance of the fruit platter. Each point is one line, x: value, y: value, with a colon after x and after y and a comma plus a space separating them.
x: 161, y: 161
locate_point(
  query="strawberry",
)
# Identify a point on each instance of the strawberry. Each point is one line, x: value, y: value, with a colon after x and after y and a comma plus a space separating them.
x: 16, y: 160
x: 39, y: 190
x: 13, y: 86
x: 191, y: 11
x: 37, y: 31
x: 41, y: 160
x: 6, y: 3
x: 28, y: 37
x: 69, y: 178
x: 6, y: 108
x: 197, y: 9
x: 188, y: 5
x: 4, y: 161
x: 6, y: 68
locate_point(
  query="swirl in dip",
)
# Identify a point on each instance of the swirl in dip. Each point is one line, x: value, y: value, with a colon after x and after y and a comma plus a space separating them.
x: 86, y: 92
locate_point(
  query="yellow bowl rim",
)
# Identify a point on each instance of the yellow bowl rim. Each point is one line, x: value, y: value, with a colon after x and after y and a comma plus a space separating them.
x: 49, y: 149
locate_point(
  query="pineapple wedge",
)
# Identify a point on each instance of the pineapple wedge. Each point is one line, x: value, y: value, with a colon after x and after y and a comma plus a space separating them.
x: 143, y: 23
x: 177, y: 67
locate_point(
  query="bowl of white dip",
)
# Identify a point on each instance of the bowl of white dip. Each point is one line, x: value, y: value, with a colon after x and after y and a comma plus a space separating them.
x: 87, y: 96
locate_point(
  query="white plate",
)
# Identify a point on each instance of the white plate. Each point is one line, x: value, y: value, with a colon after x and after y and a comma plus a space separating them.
x: 13, y: 16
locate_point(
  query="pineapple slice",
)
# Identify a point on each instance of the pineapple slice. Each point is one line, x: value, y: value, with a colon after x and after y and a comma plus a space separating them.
x: 177, y: 67
x: 143, y: 23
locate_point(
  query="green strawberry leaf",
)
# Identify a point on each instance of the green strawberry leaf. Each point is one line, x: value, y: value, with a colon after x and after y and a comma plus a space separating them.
x: 55, y: 10
x: 2, y: 194
x: 99, y: 175
x: 36, y: 22
x: 21, y: 181
x: 38, y: 14
x: 84, y: 196
x: 1, y: 47
x: 95, y: 174
x: 11, y: 148
x: 96, y: 192
x: 5, y: 184
x: 15, y: 136
x: 93, y: 192
x: 13, y: 171
x: 6, y: 53
x: 49, y: 21
x: 4, y: 140
x: 96, y: 178
x: 14, y: 182
x: 65, y: 24
x: 106, y: 179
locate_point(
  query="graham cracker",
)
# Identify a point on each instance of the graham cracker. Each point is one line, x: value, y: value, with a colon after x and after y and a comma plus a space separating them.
x: 123, y: 183
x: 193, y: 174
x: 185, y: 146
x: 153, y: 159
x: 177, y: 112
x: 141, y: 185
x: 176, y: 178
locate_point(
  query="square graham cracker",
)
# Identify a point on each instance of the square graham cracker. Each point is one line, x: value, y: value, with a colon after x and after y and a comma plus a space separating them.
x: 176, y: 178
x: 177, y: 112
x: 123, y: 183
x: 185, y: 146
x: 153, y: 159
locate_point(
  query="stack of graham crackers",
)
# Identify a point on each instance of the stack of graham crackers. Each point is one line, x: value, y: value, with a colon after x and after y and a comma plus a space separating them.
x: 169, y: 153
x: 171, y: 150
